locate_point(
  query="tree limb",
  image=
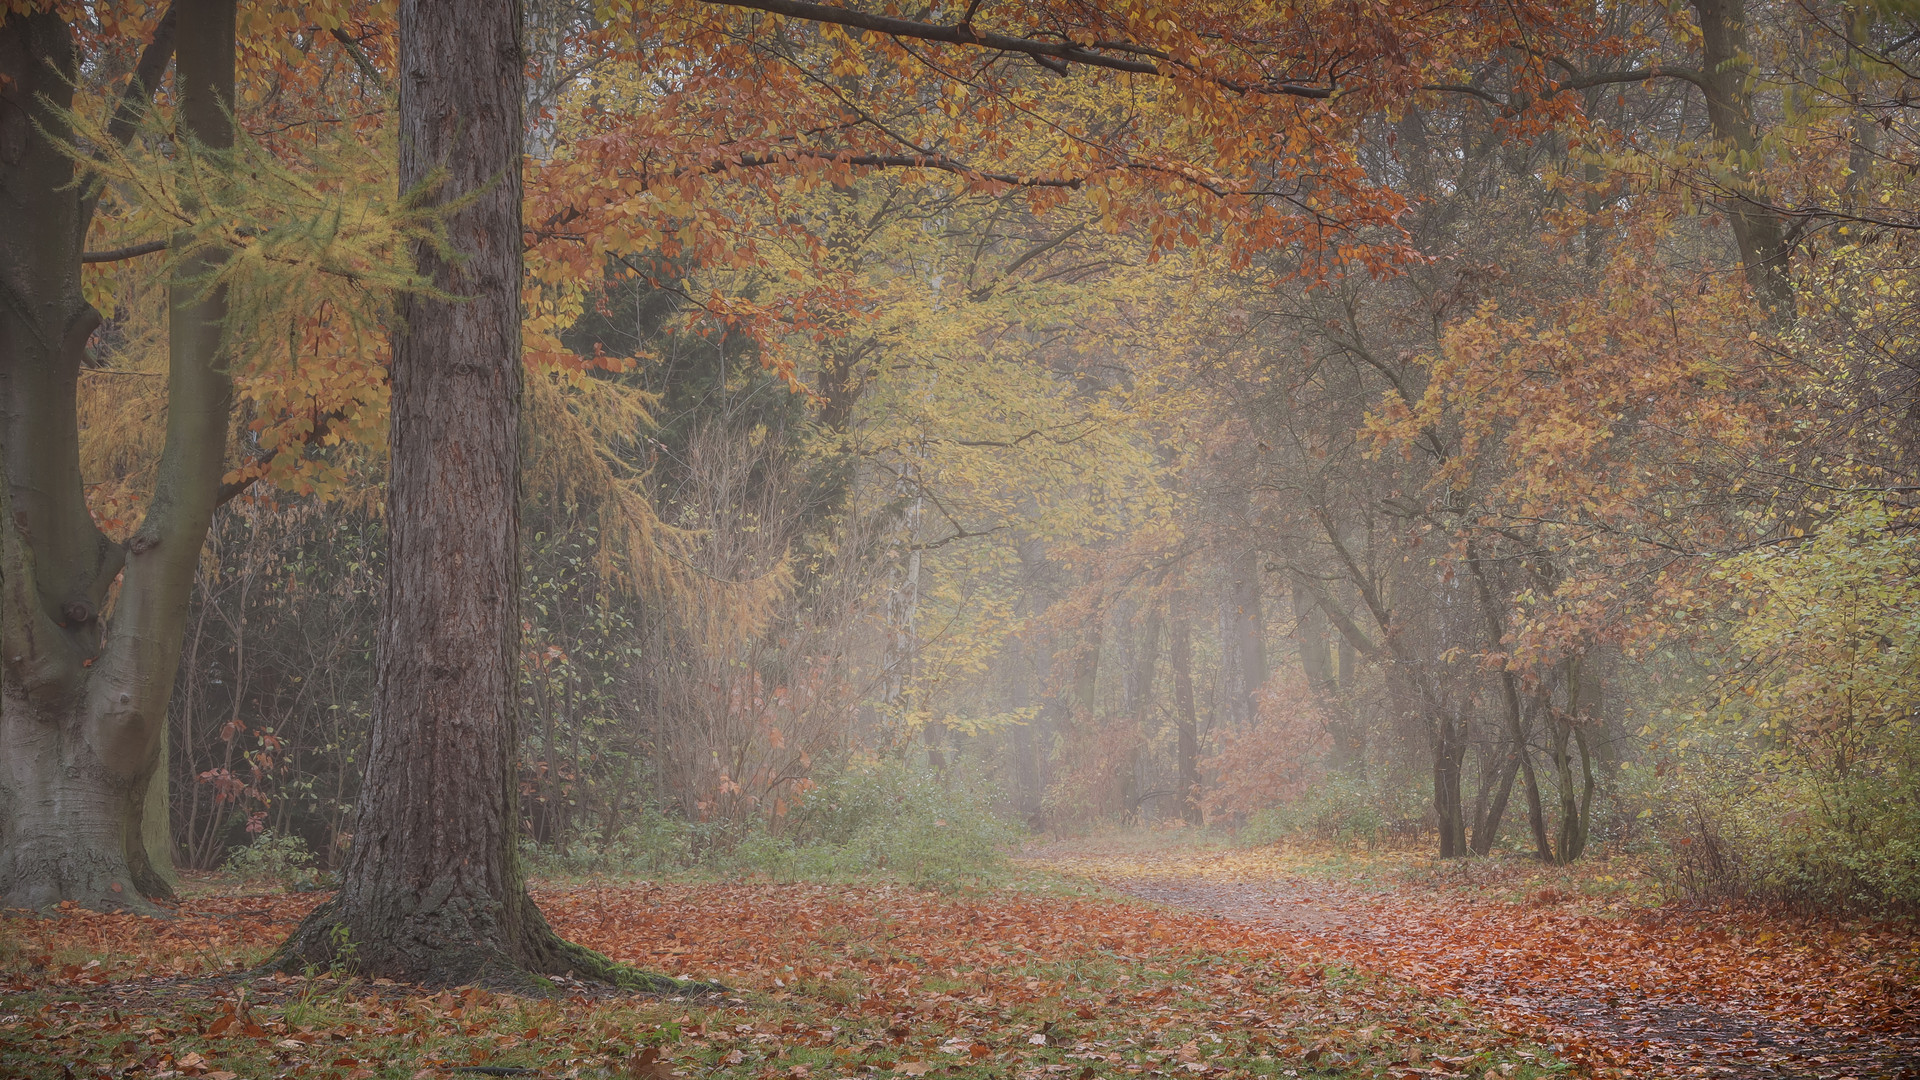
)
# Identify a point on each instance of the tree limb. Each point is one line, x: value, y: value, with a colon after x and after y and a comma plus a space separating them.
x: 1142, y: 59
x: 132, y: 251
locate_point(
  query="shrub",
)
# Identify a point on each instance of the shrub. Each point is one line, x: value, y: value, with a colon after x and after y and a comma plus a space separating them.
x: 1802, y: 784
x: 284, y: 860
x: 888, y: 817
x: 1342, y: 808
x: 885, y: 818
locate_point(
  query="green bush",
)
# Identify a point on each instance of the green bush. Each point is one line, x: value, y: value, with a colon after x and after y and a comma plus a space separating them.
x: 1802, y: 783
x: 1736, y: 829
x: 284, y: 860
x: 887, y: 818
x: 884, y: 819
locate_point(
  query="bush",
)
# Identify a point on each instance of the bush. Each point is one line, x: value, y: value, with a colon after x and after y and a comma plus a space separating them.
x: 653, y: 843
x: 885, y: 818
x: 905, y: 822
x: 1342, y: 808
x: 1738, y: 830
x: 283, y: 860
x: 1802, y: 784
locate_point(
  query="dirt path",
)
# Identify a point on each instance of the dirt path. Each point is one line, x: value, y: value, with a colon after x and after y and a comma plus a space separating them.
x: 1656, y: 994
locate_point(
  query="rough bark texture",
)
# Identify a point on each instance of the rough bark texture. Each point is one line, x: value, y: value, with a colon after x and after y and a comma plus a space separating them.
x: 431, y: 891
x: 83, y: 699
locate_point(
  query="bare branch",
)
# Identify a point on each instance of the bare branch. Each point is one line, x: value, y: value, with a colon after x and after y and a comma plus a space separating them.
x: 132, y: 251
x: 1141, y: 59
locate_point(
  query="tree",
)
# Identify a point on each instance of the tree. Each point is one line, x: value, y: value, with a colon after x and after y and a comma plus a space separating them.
x: 432, y: 890
x: 83, y: 696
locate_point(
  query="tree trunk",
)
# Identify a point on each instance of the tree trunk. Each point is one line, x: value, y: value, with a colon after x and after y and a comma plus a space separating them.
x: 432, y: 891
x: 1449, y: 752
x: 1725, y: 61
x: 1247, y: 646
x: 83, y: 699
x: 1348, y: 741
x: 1180, y: 655
x: 1487, y: 828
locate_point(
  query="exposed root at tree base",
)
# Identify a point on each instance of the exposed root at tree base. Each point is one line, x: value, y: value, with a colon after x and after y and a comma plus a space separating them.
x: 519, y: 959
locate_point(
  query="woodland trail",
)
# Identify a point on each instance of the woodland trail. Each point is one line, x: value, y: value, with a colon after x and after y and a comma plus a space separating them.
x: 1654, y: 993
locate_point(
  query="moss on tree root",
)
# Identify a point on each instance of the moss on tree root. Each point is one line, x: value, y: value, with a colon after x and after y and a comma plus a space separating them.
x: 323, y: 941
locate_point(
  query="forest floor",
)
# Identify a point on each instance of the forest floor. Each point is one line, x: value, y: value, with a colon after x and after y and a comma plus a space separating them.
x: 1183, y: 962
x: 1583, y: 959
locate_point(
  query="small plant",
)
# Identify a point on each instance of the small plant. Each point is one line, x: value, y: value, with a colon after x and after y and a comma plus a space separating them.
x: 283, y: 860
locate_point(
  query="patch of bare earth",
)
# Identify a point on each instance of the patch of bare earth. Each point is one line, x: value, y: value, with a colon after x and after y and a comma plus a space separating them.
x: 1663, y: 993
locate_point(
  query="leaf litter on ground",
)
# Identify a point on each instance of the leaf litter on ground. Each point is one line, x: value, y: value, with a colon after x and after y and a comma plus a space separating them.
x: 832, y: 982
x: 1619, y: 988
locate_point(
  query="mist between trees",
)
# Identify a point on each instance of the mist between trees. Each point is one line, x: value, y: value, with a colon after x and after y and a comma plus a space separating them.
x: 1490, y: 428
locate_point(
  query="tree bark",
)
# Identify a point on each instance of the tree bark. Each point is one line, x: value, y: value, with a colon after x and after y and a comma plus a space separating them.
x: 83, y: 699
x: 1487, y: 828
x: 432, y: 891
x: 1725, y: 62
x: 1449, y: 752
x: 1247, y: 639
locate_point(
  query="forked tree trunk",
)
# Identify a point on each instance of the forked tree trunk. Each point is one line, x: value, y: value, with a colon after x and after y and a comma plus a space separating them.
x: 432, y: 891
x: 83, y: 697
x: 1449, y: 752
x: 1486, y: 827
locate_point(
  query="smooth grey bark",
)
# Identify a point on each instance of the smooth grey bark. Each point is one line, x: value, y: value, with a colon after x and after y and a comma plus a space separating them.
x: 432, y: 891
x: 83, y: 693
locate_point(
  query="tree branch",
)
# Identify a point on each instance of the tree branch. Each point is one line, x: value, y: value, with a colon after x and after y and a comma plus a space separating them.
x: 146, y: 78
x: 132, y: 251
x: 359, y: 58
x: 1143, y: 60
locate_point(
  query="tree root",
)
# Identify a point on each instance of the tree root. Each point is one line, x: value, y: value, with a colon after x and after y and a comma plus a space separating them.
x: 411, y: 952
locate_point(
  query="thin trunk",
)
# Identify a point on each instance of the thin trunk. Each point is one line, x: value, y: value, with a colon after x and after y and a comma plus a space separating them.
x: 1246, y: 625
x: 1487, y: 828
x: 1536, y: 814
x: 1180, y: 655
x: 1449, y: 752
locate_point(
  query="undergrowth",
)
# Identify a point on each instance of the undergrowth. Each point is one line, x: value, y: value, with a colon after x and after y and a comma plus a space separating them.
x: 887, y: 820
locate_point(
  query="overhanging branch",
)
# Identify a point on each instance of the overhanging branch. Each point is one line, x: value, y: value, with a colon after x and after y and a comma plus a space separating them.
x: 1056, y: 55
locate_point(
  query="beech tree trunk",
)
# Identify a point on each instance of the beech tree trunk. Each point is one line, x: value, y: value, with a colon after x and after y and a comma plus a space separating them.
x: 432, y: 891
x: 83, y: 698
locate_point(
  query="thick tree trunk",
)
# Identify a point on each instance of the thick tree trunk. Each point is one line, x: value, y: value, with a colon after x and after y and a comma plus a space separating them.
x: 432, y: 891
x: 83, y: 702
